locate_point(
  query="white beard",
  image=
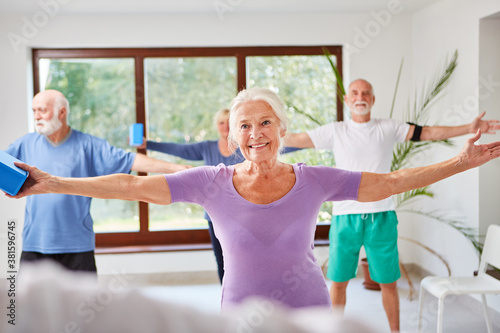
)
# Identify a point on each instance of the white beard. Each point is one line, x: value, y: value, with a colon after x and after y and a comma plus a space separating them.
x: 49, y: 126
x: 360, y: 112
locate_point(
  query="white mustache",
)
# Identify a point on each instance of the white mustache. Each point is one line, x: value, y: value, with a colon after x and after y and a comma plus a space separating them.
x: 360, y: 103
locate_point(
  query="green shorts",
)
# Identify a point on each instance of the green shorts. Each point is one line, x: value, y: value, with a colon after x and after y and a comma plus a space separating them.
x: 378, y: 233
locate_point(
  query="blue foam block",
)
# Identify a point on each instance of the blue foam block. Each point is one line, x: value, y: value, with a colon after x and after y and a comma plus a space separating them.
x: 136, y: 134
x: 11, y: 177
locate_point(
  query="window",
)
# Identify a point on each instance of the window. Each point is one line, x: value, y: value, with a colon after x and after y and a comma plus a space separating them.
x: 175, y: 92
x: 102, y: 103
x: 179, y: 86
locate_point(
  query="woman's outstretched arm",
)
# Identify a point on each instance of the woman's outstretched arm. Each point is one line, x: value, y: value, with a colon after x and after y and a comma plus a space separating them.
x: 152, y: 189
x: 374, y: 187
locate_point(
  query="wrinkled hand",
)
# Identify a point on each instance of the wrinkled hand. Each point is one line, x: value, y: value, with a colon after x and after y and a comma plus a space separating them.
x: 486, y: 126
x: 473, y: 155
x: 36, y: 183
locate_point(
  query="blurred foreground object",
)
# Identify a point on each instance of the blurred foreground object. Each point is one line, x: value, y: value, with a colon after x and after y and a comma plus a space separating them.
x: 50, y: 299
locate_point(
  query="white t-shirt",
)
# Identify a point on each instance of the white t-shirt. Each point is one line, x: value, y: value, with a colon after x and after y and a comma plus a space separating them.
x: 361, y: 147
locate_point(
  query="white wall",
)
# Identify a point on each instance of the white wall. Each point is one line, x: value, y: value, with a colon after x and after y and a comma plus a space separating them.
x: 438, y: 30
x: 489, y: 71
x: 13, y: 124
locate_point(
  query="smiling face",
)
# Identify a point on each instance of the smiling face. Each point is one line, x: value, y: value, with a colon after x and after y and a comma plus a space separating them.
x: 258, y: 131
x: 360, y: 98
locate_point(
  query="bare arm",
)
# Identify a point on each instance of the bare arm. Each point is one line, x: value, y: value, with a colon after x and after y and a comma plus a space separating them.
x: 433, y: 133
x: 152, y: 189
x: 143, y: 163
x: 298, y: 140
x: 376, y: 187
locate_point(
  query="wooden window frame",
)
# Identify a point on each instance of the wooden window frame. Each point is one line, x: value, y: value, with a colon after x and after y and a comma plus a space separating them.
x: 184, y: 239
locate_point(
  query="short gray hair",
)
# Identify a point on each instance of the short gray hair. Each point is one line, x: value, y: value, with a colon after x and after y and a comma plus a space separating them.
x: 363, y: 80
x: 254, y: 95
x: 60, y: 102
x: 221, y: 114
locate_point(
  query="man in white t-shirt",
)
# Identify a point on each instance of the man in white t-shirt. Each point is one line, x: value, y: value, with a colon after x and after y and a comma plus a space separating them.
x: 366, y: 144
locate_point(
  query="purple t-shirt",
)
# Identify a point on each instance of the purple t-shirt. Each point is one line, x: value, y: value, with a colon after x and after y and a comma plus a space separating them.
x: 268, y: 249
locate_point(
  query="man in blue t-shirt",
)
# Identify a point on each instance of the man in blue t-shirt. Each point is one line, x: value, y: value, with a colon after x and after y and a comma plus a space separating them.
x: 57, y: 226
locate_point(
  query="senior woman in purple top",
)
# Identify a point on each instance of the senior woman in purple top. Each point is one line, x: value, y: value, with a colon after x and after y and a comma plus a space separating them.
x: 212, y: 152
x: 264, y: 211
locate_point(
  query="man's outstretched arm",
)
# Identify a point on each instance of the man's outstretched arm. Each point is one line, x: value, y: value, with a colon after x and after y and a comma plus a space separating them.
x: 143, y: 163
x: 434, y: 133
x: 298, y: 140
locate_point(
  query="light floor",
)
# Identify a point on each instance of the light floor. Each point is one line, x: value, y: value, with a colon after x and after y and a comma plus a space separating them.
x: 362, y: 304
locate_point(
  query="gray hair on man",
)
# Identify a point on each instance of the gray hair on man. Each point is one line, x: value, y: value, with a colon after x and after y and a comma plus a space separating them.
x: 60, y: 102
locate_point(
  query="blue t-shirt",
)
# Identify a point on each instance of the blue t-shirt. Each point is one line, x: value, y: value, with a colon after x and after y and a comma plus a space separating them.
x: 59, y: 223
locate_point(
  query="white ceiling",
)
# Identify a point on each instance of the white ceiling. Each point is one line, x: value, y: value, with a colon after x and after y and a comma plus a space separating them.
x: 205, y: 6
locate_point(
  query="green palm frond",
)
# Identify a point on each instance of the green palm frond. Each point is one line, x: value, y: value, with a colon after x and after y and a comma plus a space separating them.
x: 336, y: 72
x: 403, y: 152
x: 304, y: 113
x: 468, y: 232
x: 418, y: 113
x: 404, y: 198
x: 396, y: 88
x: 431, y: 94
x: 441, y: 82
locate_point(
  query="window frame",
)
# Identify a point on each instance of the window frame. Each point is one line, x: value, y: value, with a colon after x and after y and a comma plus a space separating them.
x: 181, y: 239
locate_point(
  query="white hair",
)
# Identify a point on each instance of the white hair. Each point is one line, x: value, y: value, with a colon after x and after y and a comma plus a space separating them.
x: 363, y: 80
x: 254, y: 95
x: 221, y: 114
x: 60, y: 102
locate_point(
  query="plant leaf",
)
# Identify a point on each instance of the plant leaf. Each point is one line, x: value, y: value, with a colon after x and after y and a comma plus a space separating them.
x: 406, y: 197
x: 340, y: 85
x: 296, y: 109
x: 396, y: 88
x: 468, y: 232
